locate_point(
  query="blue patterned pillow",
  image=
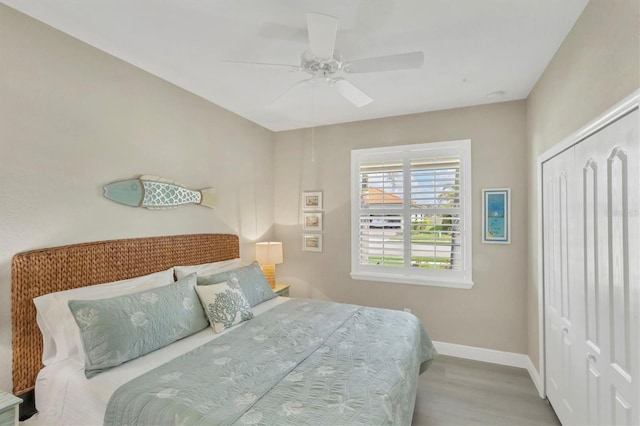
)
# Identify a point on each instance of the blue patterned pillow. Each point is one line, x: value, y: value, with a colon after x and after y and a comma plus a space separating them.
x: 249, y: 278
x: 119, y: 329
x: 225, y: 306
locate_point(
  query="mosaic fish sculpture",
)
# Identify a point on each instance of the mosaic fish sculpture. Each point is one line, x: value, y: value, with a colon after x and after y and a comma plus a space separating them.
x: 154, y: 192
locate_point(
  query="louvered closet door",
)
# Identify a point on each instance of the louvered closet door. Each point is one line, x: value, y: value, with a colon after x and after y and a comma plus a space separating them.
x: 560, y: 332
x: 608, y: 163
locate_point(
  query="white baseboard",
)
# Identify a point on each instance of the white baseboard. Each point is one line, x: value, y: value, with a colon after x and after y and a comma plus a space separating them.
x: 535, y: 376
x: 510, y: 359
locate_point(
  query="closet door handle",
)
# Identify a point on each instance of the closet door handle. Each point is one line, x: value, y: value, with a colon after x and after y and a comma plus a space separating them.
x: 592, y: 358
x: 565, y: 330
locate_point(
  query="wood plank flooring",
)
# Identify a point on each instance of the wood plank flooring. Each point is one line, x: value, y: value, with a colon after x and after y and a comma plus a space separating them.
x: 455, y: 391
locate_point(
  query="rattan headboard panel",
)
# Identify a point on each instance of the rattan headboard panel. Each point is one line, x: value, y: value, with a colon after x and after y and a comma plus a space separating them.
x: 39, y: 272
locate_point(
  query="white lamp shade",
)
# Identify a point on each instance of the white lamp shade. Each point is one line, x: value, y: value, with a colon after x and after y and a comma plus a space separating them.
x: 269, y: 253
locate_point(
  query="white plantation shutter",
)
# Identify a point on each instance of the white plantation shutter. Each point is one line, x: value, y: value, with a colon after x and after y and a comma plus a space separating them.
x: 435, y: 213
x: 410, y: 208
x: 381, y: 240
x: 381, y: 220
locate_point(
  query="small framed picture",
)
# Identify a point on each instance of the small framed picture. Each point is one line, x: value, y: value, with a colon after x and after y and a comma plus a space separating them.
x: 496, y: 216
x: 312, y: 242
x: 312, y: 221
x: 312, y: 200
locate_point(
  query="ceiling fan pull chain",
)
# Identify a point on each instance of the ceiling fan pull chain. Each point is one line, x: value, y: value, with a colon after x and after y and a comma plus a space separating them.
x: 313, y: 124
x: 313, y: 150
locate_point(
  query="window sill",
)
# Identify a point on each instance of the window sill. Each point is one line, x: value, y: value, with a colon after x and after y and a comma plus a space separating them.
x: 413, y: 280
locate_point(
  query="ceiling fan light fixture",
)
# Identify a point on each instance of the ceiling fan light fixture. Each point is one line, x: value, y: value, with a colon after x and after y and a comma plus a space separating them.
x: 313, y: 65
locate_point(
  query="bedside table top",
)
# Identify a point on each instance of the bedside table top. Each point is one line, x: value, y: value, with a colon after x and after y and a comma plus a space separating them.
x: 280, y: 287
x: 8, y: 400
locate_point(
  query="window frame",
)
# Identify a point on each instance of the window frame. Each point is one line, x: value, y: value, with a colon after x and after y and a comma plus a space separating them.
x: 407, y: 274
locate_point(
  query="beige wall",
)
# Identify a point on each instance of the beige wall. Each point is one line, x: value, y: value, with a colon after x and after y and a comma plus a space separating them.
x: 73, y: 119
x: 596, y: 66
x: 493, y: 313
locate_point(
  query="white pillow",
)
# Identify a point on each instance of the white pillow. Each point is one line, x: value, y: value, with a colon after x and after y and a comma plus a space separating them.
x: 207, y: 268
x: 61, y: 336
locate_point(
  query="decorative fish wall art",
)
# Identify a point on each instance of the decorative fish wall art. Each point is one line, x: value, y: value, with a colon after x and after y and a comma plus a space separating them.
x: 154, y: 192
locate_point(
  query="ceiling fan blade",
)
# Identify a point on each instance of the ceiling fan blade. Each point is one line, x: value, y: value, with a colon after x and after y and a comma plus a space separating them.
x: 401, y: 61
x: 291, y: 89
x: 322, y: 34
x: 350, y: 92
x: 266, y: 64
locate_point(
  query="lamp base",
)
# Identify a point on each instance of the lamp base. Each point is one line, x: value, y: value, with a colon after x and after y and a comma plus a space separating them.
x: 269, y: 272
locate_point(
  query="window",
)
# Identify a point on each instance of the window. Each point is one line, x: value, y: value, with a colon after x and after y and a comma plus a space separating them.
x: 411, y: 214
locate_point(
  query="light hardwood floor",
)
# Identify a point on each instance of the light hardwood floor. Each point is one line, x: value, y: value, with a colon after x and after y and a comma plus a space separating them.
x: 456, y: 391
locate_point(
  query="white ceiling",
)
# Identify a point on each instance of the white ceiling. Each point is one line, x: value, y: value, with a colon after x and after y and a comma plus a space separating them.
x: 472, y: 48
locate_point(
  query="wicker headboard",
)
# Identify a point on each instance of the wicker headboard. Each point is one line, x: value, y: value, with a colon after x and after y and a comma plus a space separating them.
x: 39, y: 272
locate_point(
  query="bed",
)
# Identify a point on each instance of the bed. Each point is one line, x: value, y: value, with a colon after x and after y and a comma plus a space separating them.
x: 292, y: 361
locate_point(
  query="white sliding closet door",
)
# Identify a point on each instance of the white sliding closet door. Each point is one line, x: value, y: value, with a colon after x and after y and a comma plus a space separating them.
x: 591, y: 231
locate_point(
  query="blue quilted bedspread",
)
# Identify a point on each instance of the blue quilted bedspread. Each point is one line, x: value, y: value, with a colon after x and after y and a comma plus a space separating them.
x: 302, y: 362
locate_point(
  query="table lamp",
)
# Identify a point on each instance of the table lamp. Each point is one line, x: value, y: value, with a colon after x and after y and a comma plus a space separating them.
x: 269, y: 254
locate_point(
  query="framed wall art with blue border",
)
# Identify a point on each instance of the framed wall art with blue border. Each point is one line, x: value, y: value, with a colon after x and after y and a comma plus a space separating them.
x: 496, y: 215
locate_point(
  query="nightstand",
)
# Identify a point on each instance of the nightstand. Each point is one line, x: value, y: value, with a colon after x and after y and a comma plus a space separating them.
x: 281, y: 289
x: 9, y: 405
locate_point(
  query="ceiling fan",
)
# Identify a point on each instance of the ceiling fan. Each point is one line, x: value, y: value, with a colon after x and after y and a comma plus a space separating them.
x: 323, y: 62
